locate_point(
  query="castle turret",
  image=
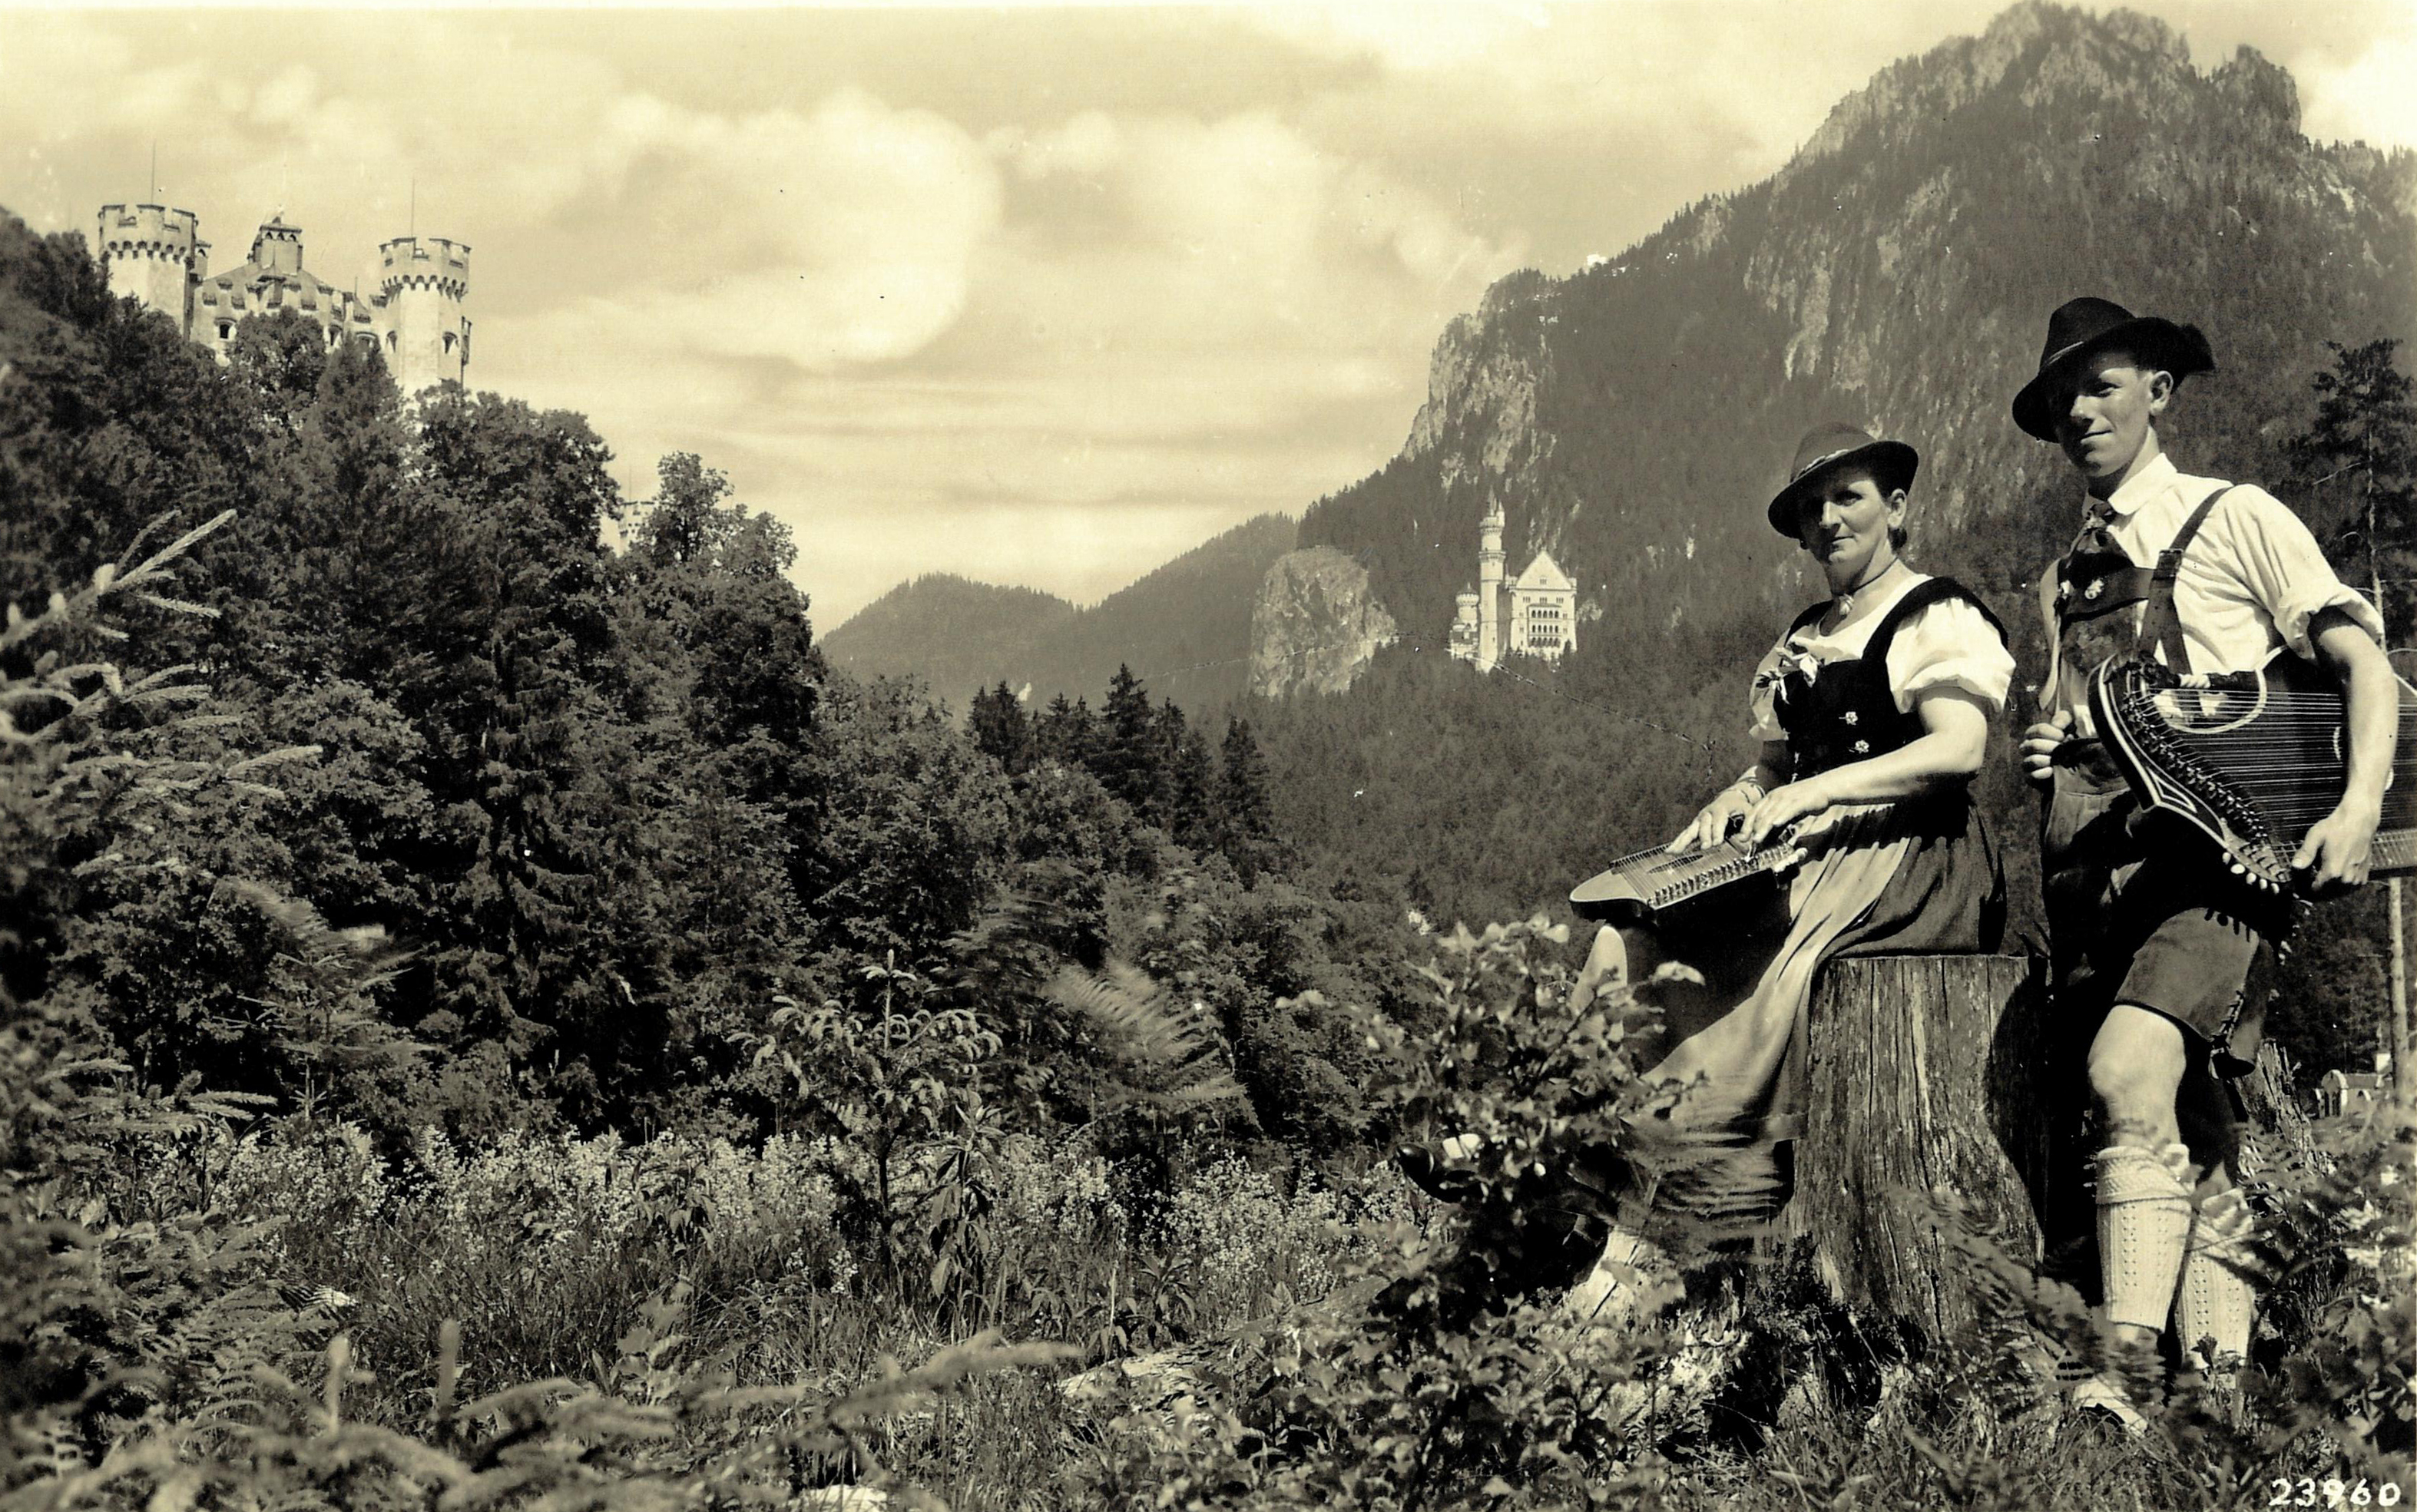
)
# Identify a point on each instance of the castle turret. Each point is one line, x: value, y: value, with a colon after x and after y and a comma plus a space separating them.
x: 422, y: 281
x: 154, y: 254
x: 1489, y: 587
x: 277, y: 248
x: 1463, y: 643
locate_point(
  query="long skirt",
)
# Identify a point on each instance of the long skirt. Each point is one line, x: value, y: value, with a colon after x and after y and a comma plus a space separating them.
x: 1885, y: 879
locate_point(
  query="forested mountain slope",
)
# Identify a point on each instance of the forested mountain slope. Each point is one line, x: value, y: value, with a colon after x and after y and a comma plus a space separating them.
x: 956, y: 634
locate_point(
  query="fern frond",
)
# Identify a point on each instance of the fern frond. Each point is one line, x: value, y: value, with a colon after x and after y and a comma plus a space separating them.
x: 1168, y: 1047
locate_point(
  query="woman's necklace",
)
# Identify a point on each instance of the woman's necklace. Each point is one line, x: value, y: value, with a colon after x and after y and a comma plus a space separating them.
x: 1846, y: 599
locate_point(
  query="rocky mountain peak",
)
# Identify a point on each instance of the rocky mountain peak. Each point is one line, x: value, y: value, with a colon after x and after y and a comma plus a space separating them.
x: 2261, y: 86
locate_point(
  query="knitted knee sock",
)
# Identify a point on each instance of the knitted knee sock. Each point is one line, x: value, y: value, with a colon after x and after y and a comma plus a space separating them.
x: 2215, y: 1299
x: 2144, y: 1214
x: 1611, y: 1292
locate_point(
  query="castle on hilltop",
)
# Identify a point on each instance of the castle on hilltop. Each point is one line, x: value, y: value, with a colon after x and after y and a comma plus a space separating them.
x: 1534, y: 615
x: 156, y: 254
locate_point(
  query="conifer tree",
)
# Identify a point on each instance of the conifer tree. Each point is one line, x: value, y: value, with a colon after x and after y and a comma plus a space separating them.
x: 1246, y: 827
x: 520, y: 702
x: 1127, y: 757
x: 1190, y: 787
x: 365, y: 565
x: 1067, y: 732
x: 2357, y: 462
x: 998, y: 727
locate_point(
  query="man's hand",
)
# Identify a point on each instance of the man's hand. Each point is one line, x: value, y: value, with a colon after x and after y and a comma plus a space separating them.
x: 2336, y: 852
x: 1712, y: 824
x: 2040, y: 743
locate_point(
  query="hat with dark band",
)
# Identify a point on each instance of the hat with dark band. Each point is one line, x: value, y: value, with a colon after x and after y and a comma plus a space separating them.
x: 2081, y: 327
x: 1828, y: 448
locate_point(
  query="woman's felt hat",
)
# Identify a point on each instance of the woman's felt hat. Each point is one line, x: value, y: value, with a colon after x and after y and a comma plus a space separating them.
x: 2083, y: 328
x: 1828, y: 448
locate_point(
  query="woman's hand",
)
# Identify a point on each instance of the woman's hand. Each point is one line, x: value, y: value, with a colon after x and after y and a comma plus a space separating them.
x: 1782, y: 807
x: 1727, y: 809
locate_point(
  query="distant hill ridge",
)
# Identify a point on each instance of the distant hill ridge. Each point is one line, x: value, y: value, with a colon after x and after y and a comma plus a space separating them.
x: 1186, y: 626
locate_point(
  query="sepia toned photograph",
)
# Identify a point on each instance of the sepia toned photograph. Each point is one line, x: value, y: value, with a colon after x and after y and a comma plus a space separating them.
x: 1426, y: 756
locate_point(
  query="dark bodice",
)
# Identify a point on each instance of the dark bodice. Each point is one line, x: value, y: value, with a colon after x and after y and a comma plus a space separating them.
x: 1845, y: 711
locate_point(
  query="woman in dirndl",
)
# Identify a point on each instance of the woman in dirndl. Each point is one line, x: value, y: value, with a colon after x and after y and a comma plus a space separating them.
x: 1874, y: 712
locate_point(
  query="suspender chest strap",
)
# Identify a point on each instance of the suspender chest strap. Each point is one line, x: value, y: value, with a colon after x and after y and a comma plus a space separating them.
x: 2160, y: 626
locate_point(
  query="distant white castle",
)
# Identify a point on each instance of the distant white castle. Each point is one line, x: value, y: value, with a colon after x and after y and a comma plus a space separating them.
x: 1534, y: 615
x: 155, y: 252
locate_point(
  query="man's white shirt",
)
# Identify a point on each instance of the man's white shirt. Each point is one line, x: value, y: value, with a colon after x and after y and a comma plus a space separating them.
x: 2250, y: 582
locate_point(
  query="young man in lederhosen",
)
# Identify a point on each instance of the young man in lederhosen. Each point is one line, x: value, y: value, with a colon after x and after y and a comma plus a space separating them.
x: 2153, y: 940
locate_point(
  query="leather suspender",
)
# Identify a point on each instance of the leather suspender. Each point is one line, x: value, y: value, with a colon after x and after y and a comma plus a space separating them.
x: 2159, y: 625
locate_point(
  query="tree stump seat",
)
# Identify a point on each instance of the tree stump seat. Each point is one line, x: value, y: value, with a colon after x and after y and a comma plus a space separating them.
x: 1931, y: 1072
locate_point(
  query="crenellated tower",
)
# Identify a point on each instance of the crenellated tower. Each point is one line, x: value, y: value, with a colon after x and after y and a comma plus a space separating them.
x: 1462, y: 641
x: 422, y: 283
x: 1489, y: 587
x: 154, y: 254
x: 277, y: 248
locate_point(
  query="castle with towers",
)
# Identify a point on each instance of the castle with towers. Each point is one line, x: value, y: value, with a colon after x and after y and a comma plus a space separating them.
x: 156, y: 254
x: 1535, y: 615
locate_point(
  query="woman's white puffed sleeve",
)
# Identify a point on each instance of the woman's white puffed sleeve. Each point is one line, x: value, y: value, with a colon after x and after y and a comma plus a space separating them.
x: 1950, y: 644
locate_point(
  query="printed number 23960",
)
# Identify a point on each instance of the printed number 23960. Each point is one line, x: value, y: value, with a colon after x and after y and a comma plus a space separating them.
x: 2309, y: 1492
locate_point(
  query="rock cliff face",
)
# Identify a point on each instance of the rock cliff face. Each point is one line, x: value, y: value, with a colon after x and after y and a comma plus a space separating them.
x: 1897, y: 273
x: 1314, y: 625
x: 1479, y: 416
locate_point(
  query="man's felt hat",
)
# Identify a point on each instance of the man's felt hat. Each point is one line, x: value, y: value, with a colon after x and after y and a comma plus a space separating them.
x: 1828, y: 448
x: 2083, y: 328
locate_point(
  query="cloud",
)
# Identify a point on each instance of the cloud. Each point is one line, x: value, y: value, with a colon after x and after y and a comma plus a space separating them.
x: 844, y: 236
x: 2368, y: 99
x: 1188, y: 235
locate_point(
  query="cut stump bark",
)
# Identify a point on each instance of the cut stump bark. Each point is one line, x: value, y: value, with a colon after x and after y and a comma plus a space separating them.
x: 1933, y: 1072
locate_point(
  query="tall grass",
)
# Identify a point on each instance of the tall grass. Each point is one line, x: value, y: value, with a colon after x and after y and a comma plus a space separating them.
x: 1311, y: 1340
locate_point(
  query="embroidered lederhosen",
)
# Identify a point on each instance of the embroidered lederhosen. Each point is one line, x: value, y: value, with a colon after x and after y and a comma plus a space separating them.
x: 2092, y: 590
x: 2101, y: 905
x: 1838, y: 711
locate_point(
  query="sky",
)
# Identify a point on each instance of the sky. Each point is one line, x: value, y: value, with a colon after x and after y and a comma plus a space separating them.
x: 1032, y: 295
